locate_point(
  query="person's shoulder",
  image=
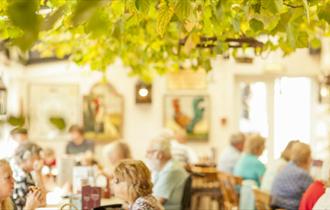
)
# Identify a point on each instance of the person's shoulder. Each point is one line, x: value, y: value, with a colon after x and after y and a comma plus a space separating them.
x: 175, y: 169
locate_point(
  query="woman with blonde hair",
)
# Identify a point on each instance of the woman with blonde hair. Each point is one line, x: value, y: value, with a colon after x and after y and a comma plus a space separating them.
x: 7, y: 187
x: 276, y: 167
x: 249, y: 167
x: 132, y: 182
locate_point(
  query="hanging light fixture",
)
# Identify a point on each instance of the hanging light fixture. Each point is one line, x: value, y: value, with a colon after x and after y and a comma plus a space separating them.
x: 3, y: 98
x: 143, y: 93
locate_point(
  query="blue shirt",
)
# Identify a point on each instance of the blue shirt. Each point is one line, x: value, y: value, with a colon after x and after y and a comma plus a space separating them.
x: 249, y: 167
x: 289, y: 186
x: 169, y: 184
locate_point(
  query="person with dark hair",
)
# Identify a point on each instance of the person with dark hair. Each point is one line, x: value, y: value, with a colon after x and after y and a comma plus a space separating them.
x: 78, y: 143
x: 18, y: 136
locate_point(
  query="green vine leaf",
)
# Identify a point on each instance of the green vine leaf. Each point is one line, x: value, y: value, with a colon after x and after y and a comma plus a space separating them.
x: 183, y: 9
x: 166, y: 11
x: 324, y: 12
x: 256, y: 25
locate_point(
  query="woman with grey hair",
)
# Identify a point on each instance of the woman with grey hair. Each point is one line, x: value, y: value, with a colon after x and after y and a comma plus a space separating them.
x: 27, y: 160
x: 115, y: 152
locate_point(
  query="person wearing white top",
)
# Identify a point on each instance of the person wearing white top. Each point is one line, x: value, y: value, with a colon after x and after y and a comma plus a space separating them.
x: 183, y: 153
x: 8, y: 146
x: 323, y: 202
x: 179, y: 149
x: 232, y: 153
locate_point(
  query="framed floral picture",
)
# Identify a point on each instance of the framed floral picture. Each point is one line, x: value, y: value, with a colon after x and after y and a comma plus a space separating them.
x: 103, y: 113
x: 52, y: 108
x: 189, y: 113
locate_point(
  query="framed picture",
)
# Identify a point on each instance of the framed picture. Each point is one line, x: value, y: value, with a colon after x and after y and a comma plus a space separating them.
x: 52, y: 108
x: 103, y: 113
x: 189, y: 113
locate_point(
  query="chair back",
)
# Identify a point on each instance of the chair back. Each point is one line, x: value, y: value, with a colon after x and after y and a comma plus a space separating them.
x: 262, y: 200
x: 230, y: 186
x: 187, y: 194
x: 110, y: 207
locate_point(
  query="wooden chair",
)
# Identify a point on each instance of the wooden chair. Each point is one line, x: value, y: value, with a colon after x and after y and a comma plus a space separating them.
x: 262, y: 199
x: 229, y: 186
x: 205, y: 183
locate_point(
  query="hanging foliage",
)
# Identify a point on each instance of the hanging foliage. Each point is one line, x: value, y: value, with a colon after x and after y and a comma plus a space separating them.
x: 156, y: 36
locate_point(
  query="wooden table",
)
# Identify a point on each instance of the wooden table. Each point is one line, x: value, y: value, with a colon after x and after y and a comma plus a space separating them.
x: 109, y: 201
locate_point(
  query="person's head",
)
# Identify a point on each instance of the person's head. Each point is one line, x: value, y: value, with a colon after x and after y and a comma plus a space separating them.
x: 325, y: 172
x: 286, y: 154
x: 131, y: 179
x: 76, y: 134
x: 159, y: 152
x: 19, y: 134
x: 181, y: 136
x: 237, y: 140
x: 255, y: 144
x: 117, y: 151
x: 6, y: 181
x: 49, y: 155
x: 27, y: 155
x: 301, y: 155
x: 87, y: 159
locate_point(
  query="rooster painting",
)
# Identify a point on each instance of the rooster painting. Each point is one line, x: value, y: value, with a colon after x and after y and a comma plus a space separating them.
x: 183, y: 120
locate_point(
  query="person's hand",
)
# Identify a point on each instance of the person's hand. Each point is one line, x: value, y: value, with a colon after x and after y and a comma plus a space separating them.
x: 33, y: 199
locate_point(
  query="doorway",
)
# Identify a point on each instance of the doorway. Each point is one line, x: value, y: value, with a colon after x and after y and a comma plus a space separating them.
x: 279, y: 108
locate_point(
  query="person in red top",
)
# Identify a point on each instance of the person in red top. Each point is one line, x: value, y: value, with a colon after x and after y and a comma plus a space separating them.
x: 311, y: 195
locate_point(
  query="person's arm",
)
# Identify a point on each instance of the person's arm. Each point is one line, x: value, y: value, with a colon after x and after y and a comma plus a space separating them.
x: 33, y: 200
x: 38, y: 178
x: 161, y: 200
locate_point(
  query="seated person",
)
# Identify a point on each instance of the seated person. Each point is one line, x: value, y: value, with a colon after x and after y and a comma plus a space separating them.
x: 319, y: 198
x: 180, y: 150
x: 293, y: 180
x: 49, y: 158
x: 78, y: 143
x: 232, y: 153
x: 249, y: 167
x: 115, y: 152
x: 27, y: 160
x: 6, y: 190
x: 132, y: 182
x: 169, y: 175
x: 275, y: 167
x: 17, y: 136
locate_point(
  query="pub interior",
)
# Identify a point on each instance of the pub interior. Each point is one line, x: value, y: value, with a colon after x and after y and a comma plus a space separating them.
x: 164, y: 104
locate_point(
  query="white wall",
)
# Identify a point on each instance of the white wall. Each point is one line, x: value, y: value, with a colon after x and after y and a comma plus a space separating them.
x: 143, y: 121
